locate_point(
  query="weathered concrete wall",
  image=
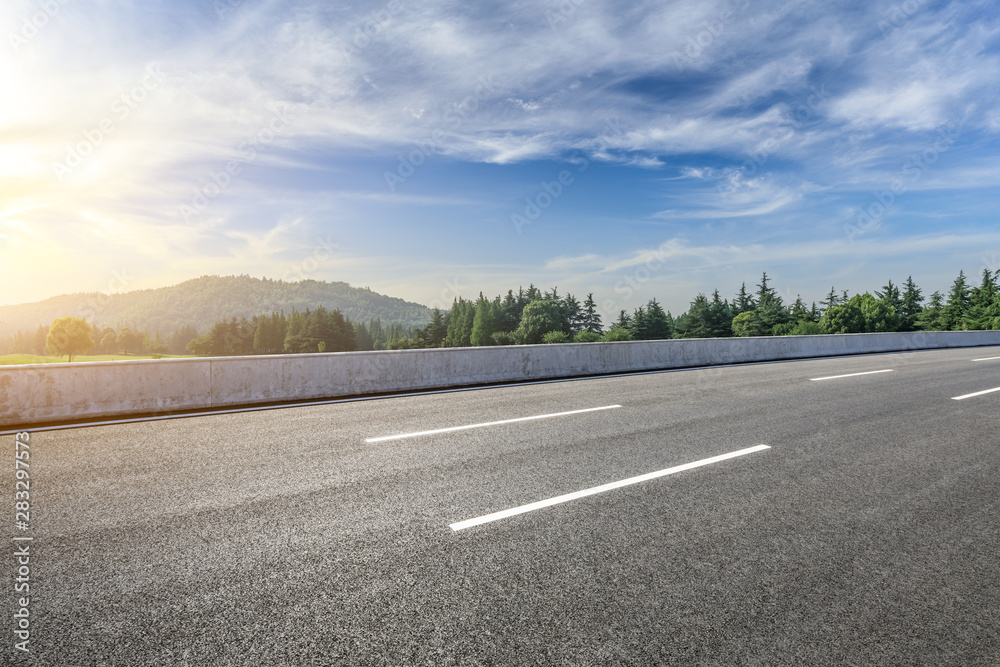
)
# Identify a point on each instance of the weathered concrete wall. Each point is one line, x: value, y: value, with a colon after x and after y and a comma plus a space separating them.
x: 41, y: 393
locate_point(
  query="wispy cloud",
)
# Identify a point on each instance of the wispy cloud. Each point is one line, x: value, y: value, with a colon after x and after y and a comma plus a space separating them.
x: 765, y: 119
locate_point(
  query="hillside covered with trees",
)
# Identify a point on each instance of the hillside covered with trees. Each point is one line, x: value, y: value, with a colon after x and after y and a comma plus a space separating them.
x: 531, y: 316
x: 201, y: 302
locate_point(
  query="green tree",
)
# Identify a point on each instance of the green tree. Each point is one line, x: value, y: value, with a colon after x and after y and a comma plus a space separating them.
x: 640, y: 325
x: 956, y: 309
x: 460, y: 320
x: 538, y: 318
x: 845, y: 318
x: 295, y: 341
x: 799, y: 312
x: 697, y: 321
x: 806, y: 328
x: 363, y: 337
x: 435, y: 333
x: 910, y: 305
x: 891, y: 296
x: 399, y: 344
x: 658, y: 326
x: 555, y: 337
x: 769, y: 306
x: 982, y: 301
x: 591, y: 318
x: 586, y: 337
x: 510, y: 312
x: 485, y: 321
x: 504, y: 338
x: 127, y: 340
x: 831, y: 300
x: 814, y: 313
x: 572, y: 314
x: 720, y: 317
x: 617, y: 333
x: 69, y: 336
x: 743, y: 302
x: 879, y: 314
x: 109, y: 342
x: 748, y: 323
x: 932, y: 317
x: 157, y: 345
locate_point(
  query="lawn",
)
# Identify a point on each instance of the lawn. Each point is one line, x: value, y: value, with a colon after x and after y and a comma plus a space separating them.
x: 9, y: 359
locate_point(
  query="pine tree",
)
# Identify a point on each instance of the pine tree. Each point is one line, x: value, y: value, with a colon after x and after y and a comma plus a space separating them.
x: 957, y: 307
x: 931, y: 318
x: 890, y: 295
x: 799, y: 312
x: 460, y: 319
x: 363, y: 337
x: 657, y: 325
x: 743, y: 302
x: 484, y: 324
x: 720, y: 317
x: 640, y: 326
x: 623, y: 321
x: 766, y: 294
x: 831, y: 300
x: 697, y: 322
x: 591, y: 318
x: 910, y: 307
x: 981, y: 300
x: 510, y: 312
x: 572, y: 315
x: 769, y: 307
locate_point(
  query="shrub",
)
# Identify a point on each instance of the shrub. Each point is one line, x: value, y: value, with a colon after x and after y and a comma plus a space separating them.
x: 586, y: 337
x: 555, y: 337
x: 504, y: 338
x: 617, y: 333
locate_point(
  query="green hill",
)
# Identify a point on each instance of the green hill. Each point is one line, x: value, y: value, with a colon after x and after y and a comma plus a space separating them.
x: 203, y: 301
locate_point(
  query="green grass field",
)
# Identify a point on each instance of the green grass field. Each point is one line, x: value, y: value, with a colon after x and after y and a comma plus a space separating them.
x: 9, y: 359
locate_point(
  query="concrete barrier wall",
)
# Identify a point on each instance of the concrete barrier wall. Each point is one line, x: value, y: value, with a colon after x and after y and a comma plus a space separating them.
x: 41, y: 393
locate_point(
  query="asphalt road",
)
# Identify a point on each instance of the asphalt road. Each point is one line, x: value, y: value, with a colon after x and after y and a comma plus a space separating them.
x: 868, y: 533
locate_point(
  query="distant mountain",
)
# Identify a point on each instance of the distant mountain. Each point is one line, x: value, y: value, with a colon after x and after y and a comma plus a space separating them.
x: 203, y: 301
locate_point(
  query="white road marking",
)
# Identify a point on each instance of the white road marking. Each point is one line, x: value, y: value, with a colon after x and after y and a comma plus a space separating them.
x: 496, y: 516
x: 849, y: 375
x: 503, y: 421
x: 987, y: 359
x: 978, y: 393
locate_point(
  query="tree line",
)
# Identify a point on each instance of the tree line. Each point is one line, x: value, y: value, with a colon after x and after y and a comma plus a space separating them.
x: 532, y: 316
x: 300, y: 332
x: 105, y: 340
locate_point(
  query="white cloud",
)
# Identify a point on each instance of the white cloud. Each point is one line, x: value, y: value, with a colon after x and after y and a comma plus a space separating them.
x: 498, y: 86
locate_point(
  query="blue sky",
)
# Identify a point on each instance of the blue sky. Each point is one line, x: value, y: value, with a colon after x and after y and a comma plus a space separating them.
x: 429, y: 149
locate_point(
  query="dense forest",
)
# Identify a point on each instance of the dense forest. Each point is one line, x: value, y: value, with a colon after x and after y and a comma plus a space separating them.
x: 318, y: 330
x: 532, y: 316
x: 201, y: 302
